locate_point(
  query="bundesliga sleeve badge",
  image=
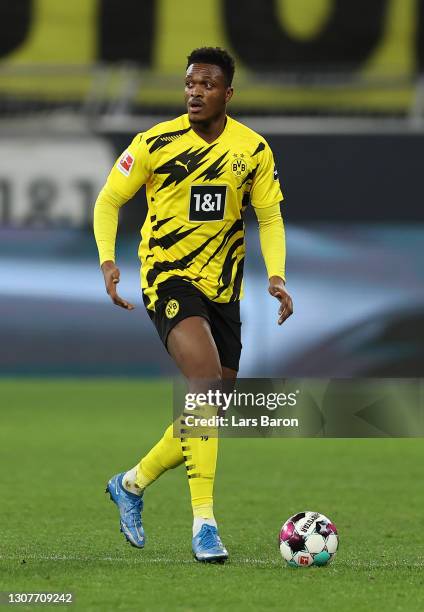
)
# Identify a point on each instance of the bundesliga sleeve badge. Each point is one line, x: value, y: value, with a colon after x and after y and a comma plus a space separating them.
x: 125, y: 163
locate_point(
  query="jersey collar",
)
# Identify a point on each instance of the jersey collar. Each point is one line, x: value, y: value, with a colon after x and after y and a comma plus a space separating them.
x: 199, y: 139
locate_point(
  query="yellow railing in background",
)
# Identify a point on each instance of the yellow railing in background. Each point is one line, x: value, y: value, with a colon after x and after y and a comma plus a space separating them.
x: 59, y: 58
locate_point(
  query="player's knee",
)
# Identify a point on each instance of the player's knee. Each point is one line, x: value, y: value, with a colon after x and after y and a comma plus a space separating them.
x: 207, y: 371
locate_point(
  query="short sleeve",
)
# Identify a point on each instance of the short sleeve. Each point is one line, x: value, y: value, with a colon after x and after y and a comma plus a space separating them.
x: 266, y: 188
x: 131, y: 170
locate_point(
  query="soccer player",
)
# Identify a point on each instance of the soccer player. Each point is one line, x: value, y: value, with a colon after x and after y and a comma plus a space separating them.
x: 201, y: 171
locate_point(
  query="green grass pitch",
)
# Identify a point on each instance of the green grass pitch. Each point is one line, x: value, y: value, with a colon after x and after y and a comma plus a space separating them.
x: 61, y: 440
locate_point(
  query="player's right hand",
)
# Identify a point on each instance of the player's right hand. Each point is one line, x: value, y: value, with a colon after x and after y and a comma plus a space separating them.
x: 111, y: 275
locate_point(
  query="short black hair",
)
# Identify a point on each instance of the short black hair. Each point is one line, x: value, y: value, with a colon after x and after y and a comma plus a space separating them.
x: 214, y: 55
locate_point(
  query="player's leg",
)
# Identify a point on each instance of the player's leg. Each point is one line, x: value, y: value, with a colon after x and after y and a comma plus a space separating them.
x: 167, y: 453
x: 192, y: 346
x: 229, y: 376
x: 126, y: 489
x: 225, y: 330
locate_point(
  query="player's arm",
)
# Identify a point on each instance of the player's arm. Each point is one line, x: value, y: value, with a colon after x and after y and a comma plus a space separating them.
x: 106, y: 212
x: 266, y: 196
x: 125, y: 179
x: 273, y: 246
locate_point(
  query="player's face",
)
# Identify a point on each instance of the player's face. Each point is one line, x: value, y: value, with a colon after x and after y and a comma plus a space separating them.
x: 206, y: 92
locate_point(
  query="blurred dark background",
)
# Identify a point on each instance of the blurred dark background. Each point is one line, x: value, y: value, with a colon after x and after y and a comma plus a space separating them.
x: 338, y: 91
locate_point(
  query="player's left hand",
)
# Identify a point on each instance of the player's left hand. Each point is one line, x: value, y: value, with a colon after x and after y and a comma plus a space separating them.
x: 277, y: 289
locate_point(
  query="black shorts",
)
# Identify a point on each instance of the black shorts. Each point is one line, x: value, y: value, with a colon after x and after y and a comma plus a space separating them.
x: 179, y: 299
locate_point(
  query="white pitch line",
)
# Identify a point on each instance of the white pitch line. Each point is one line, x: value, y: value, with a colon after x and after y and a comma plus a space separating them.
x: 125, y: 559
x: 353, y: 565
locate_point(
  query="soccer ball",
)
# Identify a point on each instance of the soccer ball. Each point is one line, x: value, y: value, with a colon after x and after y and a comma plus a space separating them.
x: 308, y: 538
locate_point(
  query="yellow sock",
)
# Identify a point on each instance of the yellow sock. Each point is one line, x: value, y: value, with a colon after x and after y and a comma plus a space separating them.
x: 166, y: 454
x: 200, y: 456
x: 200, y: 459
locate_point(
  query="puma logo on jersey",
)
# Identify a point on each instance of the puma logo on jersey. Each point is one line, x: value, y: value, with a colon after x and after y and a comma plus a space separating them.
x: 180, y: 163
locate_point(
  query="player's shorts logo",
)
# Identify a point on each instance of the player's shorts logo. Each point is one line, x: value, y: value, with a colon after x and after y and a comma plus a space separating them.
x: 125, y: 163
x: 172, y: 309
x: 207, y: 202
x: 238, y: 164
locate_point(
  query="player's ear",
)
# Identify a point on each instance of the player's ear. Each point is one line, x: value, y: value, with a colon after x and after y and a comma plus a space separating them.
x: 228, y: 94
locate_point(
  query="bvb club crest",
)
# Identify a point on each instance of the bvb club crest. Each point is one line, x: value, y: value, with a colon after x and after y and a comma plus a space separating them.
x: 172, y: 309
x: 238, y: 164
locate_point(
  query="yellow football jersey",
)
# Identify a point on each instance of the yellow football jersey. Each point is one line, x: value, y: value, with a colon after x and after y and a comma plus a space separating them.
x: 196, y: 194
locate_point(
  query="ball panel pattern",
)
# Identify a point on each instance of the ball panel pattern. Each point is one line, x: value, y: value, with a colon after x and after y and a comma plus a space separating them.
x: 315, y: 543
x: 332, y: 543
x: 308, y: 538
x: 286, y: 551
x: 322, y: 558
x: 303, y: 559
x: 286, y: 531
x: 325, y: 527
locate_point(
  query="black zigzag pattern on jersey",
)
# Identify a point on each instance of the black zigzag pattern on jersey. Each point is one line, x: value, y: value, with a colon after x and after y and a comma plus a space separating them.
x: 249, y: 177
x: 237, y: 281
x: 182, y: 165
x: 152, y: 244
x: 215, y: 170
x: 259, y: 148
x: 161, y: 222
x: 196, y: 279
x: 237, y: 226
x: 179, y: 264
x: 146, y: 300
x: 227, y: 268
x: 175, y: 236
x: 174, y: 277
x: 163, y: 139
x: 152, y: 241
